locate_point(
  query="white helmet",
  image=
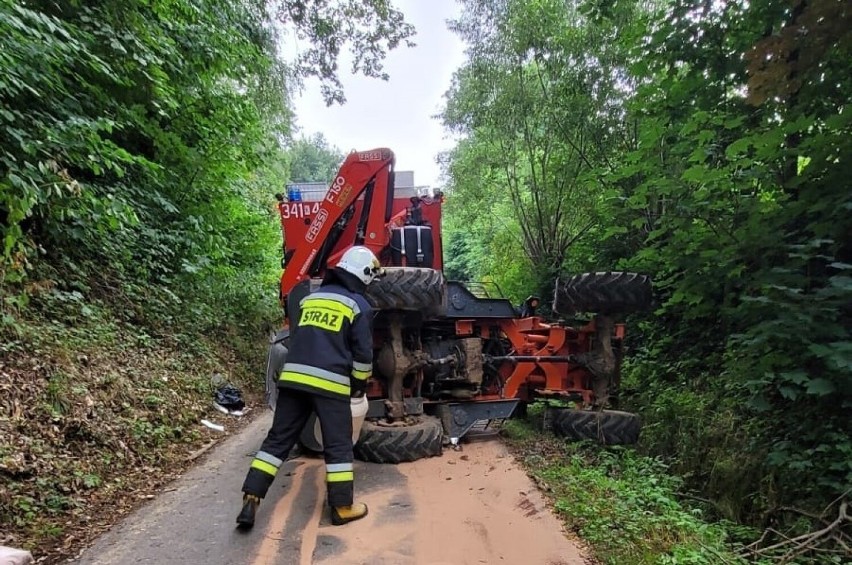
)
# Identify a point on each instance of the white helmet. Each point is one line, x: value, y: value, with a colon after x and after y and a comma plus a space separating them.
x: 361, y: 262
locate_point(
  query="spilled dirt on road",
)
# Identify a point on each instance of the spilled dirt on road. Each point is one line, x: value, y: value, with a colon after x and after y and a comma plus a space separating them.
x: 480, y: 507
x: 469, y: 507
x: 472, y: 506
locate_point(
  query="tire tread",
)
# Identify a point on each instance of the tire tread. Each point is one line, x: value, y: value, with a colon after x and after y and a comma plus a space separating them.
x: 379, y: 444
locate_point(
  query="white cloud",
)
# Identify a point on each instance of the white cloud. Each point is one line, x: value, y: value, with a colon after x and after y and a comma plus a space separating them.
x: 397, y: 114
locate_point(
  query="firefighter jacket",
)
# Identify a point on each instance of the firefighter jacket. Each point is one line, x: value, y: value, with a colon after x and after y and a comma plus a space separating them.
x: 331, y: 343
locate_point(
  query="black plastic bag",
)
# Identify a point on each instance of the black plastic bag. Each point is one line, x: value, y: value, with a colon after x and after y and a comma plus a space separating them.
x: 230, y: 397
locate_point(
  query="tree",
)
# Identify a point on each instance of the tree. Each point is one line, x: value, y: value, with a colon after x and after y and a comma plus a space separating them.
x: 139, y: 143
x: 370, y: 27
x: 713, y: 160
x: 312, y: 159
x: 737, y: 192
x: 538, y: 103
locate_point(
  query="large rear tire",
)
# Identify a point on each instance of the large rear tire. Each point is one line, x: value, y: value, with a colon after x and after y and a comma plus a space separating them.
x: 605, y: 293
x: 609, y: 427
x: 391, y: 444
x: 408, y: 288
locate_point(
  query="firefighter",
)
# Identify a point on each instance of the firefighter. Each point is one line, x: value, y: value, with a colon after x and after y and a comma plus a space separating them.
x: 330, y: 360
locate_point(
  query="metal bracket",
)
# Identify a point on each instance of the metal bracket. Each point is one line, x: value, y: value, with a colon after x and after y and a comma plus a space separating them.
x: 459, y: 418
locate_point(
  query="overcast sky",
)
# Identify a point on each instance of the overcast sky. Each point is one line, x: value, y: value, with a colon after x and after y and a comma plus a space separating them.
x: 397, y: 114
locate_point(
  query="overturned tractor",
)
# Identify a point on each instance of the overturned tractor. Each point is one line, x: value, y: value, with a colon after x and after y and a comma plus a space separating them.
x: 449, y: 358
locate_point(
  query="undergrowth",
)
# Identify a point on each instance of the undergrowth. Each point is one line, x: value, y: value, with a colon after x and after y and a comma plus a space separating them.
x: 624, y: 505
x: 96, y: 414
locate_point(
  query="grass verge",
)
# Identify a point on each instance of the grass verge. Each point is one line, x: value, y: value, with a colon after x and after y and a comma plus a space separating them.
x: 625, y: 506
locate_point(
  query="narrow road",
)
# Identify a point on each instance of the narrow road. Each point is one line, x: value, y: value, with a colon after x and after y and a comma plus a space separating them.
x: 473, y: 506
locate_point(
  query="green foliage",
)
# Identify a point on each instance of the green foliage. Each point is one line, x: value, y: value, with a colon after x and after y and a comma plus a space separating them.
x: 716, y: 134
x: 626, y: 506
x: 312, y: 159
x: 142, y: 147
x: 534, y: 135
x: 748, y: 246
x: 370, y: 27
x: 483, y: 247
x: 139, y: 154
x: 677, y: 411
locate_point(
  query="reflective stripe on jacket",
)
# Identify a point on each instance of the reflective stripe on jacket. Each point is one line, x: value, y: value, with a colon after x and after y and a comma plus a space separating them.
x: 331, y: 343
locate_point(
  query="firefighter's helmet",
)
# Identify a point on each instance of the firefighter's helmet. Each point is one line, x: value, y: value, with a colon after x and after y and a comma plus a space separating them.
x: 362, y: 263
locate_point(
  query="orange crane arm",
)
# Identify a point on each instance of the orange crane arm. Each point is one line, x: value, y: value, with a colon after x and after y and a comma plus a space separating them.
x: 363, y: 172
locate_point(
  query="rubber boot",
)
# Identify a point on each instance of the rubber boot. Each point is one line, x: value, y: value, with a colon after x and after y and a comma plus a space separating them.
x: 246, y: 518
x: 344, y: 514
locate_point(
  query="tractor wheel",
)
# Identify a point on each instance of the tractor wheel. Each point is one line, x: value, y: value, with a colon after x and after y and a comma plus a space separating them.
x: 390, y: 444
x: 408, y: 288
x: 609, y: 427
x: 605, y: 293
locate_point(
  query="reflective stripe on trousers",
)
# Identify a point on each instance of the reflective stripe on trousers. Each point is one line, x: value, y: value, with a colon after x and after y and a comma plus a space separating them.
x: 339, y: 472
x: 266, y: 463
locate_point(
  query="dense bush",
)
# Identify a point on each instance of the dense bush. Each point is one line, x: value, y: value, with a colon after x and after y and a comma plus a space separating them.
x: 704, y: 144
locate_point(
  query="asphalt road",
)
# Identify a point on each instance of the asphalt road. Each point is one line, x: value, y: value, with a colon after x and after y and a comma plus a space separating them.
x: 473, y: 506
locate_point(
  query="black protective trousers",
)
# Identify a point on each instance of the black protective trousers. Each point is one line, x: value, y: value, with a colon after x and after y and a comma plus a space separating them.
x: 292, y: 411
